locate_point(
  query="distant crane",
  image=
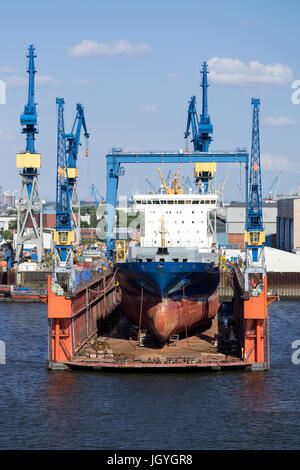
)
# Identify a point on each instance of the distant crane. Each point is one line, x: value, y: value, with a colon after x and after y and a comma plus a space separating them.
x: 273, y: 191
x: 255, y: 234
x: 189, y: 183
x: 175, y: 186
x: 72, y: 146
x: 154, y: 191
x: 241, y: 192
x: 202, y: 130
x: 222, y: 188
x: 96, y: 194
x: 64, y: 237
x: 29, y: 204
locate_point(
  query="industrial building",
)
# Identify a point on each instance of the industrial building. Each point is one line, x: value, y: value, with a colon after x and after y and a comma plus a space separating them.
x: 288, y: 224
x: 9, y: 199
x: 235, y: 223
x: 5, y: 221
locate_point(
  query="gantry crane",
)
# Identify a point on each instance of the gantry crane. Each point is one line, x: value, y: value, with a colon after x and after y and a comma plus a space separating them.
x: 255, y: 234
x: 202, y: 130
x: 72, y: 146
x: 64, y: 237
x: 29, y: 205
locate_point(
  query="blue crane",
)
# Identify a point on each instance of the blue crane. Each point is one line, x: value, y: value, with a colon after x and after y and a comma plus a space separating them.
x: 64, y: 233
x: 29, y: 118
x: 29, y: 205
x: 96, y: 194
x: 202, y: 130
x: 255, y: 234
x: 272, y: 193
x: 73, y: 140
x: 72, y: 146
x: 151, y: 186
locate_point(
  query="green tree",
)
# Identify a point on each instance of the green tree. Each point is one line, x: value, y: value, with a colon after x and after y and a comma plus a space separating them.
x: 12, y: 225
x: 7, y: 235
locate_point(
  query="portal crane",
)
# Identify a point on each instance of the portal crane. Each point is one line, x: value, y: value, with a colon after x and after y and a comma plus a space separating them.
x: 64, y: 273
x: 29, y: 205
x: 255, y: 234
x: 202, y: 130
x: 72, y: 146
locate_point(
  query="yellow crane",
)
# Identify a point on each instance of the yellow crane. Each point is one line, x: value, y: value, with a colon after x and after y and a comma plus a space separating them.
x: 175, y: 186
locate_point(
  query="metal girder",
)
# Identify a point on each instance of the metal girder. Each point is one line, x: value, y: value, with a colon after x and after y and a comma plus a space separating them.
x: 236, y: 156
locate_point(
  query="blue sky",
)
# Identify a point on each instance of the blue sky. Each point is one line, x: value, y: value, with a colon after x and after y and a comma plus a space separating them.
x: 135, y: 64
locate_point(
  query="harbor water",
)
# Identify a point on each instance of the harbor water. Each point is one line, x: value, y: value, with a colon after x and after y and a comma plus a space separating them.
x: 41, y: 409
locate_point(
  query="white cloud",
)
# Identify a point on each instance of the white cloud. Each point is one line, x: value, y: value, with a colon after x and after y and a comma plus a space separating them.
x: 148, y: 108
x: 278, y: 122
x: 15, y: 81
x: 46, y: 80
x: 235, y: 72
x: 5, y: 135
x: 88, y: 48
x: 83, y: 82
x: 275, y: 162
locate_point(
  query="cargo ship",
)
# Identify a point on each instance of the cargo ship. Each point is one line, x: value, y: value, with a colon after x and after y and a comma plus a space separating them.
x: 170, y: 281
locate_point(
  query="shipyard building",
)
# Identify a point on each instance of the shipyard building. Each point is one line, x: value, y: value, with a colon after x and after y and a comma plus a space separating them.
x: 235, y: 223
x: 288, y: 224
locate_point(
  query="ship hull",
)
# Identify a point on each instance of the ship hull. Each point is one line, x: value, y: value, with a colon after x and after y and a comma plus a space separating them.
x: 169, y: 298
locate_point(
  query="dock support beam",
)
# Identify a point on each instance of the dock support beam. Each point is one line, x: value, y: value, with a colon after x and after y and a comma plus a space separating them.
x: 256, y: 331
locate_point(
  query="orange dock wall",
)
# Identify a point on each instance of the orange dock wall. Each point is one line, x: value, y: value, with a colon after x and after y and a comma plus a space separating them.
x: 73, y: 321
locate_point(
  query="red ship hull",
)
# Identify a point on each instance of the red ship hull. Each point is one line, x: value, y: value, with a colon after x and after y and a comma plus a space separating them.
x: 169, y: 317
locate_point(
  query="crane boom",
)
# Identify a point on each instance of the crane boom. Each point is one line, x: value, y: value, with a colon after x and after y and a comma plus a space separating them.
x: 163, y: 181
x: 96, y: 194
x: 72, y: 146
x: 202, y: 130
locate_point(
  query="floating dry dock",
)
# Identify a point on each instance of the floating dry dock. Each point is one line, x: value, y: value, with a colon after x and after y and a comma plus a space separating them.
x: 238, y: 338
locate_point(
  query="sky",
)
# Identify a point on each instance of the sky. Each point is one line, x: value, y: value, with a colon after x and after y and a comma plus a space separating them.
x: 134, y: 65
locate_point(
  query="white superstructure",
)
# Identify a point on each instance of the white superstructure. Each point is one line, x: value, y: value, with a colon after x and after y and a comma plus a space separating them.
x: 189, y: 219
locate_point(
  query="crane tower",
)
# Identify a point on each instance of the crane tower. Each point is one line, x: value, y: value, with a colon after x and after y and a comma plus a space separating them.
x: 255, y: 234
x: 29, y: 205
